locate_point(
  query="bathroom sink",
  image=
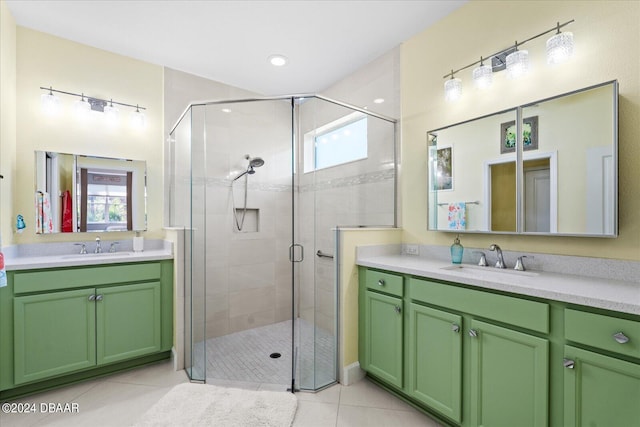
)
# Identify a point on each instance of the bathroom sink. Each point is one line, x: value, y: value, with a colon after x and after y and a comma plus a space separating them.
x: 96, y: 256
x: 476, y: 269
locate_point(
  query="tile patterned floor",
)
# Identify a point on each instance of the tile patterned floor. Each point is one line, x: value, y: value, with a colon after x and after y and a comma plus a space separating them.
x: 245, y: 356
x: 119, y: 400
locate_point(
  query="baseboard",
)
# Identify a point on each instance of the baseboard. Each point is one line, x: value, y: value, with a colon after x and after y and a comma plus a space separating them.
x: 178, y: 362
x: 352, y: 374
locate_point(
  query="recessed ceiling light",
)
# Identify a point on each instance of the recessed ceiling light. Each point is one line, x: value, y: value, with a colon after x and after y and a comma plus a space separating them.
x: 278, y: 60
x: 226, y: 110
x: 378, y: 100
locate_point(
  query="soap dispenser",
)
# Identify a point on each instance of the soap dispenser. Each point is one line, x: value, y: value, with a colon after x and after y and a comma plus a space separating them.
x: 456, y: 251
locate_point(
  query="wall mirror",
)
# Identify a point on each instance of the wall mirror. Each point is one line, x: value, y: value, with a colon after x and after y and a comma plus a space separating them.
x: 78, y: 193
x: 549, y: 167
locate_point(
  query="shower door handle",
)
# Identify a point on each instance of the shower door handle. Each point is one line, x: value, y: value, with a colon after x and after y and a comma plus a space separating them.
x: 292, y: 252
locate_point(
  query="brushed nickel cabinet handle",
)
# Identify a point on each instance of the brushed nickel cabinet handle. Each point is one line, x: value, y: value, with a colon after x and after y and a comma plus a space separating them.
x: 473, y: 333
x: 398, y: 309
x: 99, y: 297
x: 620, y: 338
x: 381, y: 282
x: 455, y: 327
x: 568, y: 363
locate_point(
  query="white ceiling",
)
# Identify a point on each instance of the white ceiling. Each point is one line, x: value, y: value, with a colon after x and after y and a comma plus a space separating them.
x: 230, y: 41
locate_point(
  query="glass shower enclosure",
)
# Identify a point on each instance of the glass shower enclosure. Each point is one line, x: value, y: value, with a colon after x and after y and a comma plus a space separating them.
x: 260, y: 188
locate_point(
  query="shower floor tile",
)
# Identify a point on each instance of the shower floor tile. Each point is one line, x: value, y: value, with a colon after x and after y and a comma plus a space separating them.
x: 245, y: 356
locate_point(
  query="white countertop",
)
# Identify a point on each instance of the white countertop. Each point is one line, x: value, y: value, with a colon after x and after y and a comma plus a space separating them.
x: 607, y: 294
x: 52, y: 261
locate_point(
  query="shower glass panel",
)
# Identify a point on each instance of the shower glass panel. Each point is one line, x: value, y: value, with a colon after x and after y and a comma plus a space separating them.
x: 346, y: 165
x: 260, y: 187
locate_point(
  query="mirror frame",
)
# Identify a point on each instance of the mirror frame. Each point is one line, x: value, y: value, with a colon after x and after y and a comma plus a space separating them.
x: 520, y: 158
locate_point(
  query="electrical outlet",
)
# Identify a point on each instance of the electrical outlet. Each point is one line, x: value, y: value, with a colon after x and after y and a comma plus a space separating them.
x: 411, y: 249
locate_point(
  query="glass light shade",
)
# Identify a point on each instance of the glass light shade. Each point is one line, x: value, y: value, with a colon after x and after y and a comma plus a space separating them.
x: 483, y: 76
x: 81, y: 108
x: 559, y: 48
x: 50, y: 103
x: 111, y: 114
x: 137, y: 119
x: 452, y: 89
x: 517, y: 64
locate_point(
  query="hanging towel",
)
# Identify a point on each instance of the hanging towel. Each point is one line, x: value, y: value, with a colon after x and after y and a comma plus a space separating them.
x: 457, y: 216
x: 67, y: 213
x: 44, y: 222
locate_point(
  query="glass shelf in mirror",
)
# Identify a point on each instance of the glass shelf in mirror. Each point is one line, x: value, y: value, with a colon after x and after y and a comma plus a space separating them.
x: 545, y: 168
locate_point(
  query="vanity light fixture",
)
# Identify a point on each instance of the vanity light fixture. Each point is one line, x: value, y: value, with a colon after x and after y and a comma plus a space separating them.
x: 559, y: 49
x: 137, y: 119
x: 51, y: 104
x: 483, y: 75
x: 81, y: 108
x: 517, y: 63
x: 111, y: 113
x: 452, y: 88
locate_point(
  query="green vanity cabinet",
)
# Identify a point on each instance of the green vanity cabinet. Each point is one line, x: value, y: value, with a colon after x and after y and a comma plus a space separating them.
x: 509, y: 377
x: 54, y: 333
x: 381, y: 326
x: 481, y: 357
x: 435, y: 359
x: 65, y: 324
x: 601, y: 381
x: 383, y: 337
x: 600, y: 390
x: 127, y: 321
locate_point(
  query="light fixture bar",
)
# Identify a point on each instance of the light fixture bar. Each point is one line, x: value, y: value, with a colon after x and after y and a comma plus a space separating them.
x: 556, y: 27
x: 105, y: 102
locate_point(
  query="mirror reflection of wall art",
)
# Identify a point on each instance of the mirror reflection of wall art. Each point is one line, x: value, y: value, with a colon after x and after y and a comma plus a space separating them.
x: 529, y: 135
x: 444, y: 178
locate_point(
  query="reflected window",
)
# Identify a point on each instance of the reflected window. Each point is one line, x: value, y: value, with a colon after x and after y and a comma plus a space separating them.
x: 105, y: 196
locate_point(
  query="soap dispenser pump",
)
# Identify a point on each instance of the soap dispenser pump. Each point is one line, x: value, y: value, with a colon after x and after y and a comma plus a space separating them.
x: 456, y: 251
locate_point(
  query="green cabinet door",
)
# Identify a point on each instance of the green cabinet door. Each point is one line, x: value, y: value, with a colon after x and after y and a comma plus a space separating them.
x: 600, y: 391
x: 54, y: 333
x: 128, y: 321
x: 509, y: 377
x: 383, y: 337
x: 435, y: 359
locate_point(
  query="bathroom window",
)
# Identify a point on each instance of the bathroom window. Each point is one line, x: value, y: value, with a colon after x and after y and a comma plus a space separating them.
x: 341, y: 141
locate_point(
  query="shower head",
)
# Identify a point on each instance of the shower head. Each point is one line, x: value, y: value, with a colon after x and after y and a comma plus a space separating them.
x: 256, y: 162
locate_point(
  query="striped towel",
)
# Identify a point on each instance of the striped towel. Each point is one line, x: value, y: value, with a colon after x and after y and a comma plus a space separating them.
x: 44, y: 222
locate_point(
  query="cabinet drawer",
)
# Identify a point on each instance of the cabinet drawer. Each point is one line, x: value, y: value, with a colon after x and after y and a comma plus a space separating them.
x: 384, y: 282
x: 598, y: 330
x: 514, y: 311
x: 70, y: 278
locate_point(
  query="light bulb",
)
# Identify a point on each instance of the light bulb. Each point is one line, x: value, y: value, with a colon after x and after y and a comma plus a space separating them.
x: 137, y: 119
x: 81, y: 108
x: 517, y: 64
x: 50, y: 103
x: 483, y: 76
x: 452, y: 89
x: 559, y: 48
x: 111, y: 114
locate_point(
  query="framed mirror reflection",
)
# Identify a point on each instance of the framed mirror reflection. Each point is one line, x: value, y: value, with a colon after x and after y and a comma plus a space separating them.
x: 79, y: 193
x: 547, y: 167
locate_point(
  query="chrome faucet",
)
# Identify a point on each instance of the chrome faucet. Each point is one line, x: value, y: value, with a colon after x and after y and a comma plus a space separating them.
x: 98, y: 247
x: 500, y: 262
